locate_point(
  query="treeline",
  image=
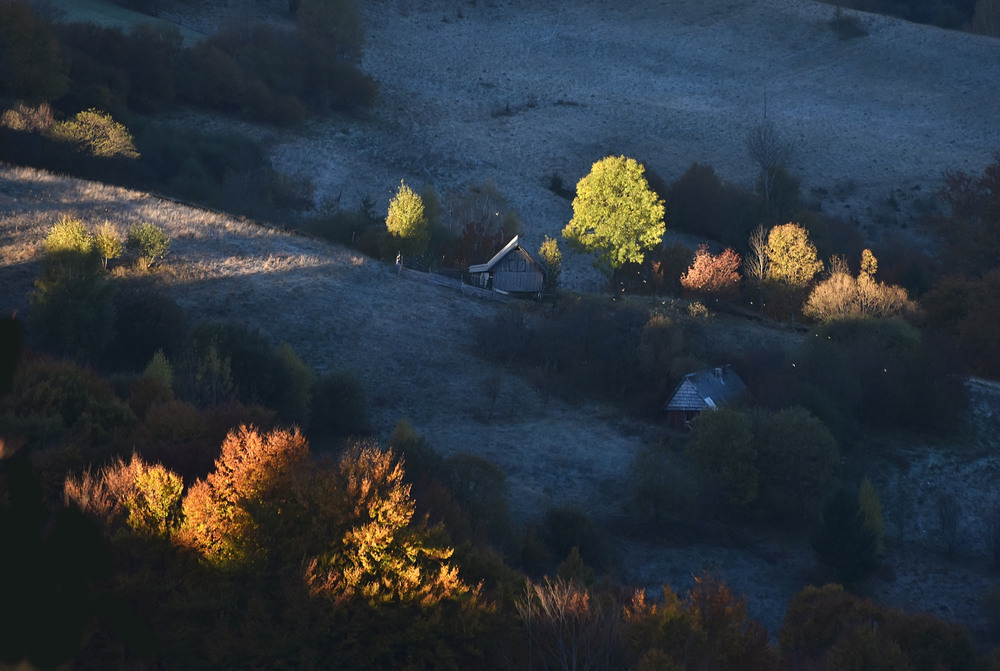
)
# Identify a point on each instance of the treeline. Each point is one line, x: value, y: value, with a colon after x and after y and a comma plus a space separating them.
x: 259, y: 71
x: 55, y: 72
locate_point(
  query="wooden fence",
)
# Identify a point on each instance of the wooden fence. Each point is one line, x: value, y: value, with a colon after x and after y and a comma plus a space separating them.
x: 414, y: 270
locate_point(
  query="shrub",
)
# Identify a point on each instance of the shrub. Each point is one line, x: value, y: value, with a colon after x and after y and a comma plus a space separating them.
x: 147, y: 242
x: 97, y: 133
x: 481, y: 488
x: 798, y: 461
x: 33, y: 70
x: 52, y: 400
x: 565, y: 528
x: 701, y: 203
x: 146, y: 320
x: 826, y: 627
x: 28, y: 119
x: 552, y: 256
x: 107, y: 243
x: 661, y: 491
x: 841, y: 296
x: 844, y: 541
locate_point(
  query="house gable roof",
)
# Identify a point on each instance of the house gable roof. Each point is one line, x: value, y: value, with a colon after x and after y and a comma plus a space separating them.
x: 707, y: 389
x: 515, y: 243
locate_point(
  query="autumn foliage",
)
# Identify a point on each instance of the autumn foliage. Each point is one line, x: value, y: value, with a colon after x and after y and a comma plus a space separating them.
x: 826, y: 627
x: 709, y: 629
x: 380, y: 554
x: 842, y: 296
x: 715, y: 275
x: 222, y: 513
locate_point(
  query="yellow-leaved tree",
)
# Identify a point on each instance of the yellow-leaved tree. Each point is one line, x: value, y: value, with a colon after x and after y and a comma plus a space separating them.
x: 792, y: 262
x: 616, y: 215
x: 379, y: 553
x: 406, y: 221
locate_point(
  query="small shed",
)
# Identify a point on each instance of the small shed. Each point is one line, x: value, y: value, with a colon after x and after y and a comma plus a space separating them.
x: 512, y: 269
x: 704, y: 390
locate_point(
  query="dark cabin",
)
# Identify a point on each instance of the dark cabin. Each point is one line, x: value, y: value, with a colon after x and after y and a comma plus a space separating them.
x: 513, y: 270
x: 704, y: 390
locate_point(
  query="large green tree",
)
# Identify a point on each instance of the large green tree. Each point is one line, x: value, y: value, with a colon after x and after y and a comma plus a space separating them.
x: 616, y: 215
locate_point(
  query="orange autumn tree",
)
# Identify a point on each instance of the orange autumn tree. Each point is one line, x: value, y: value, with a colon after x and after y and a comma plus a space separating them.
x: 224, y: 513
x: 350, y: 524
x: 714, y: 275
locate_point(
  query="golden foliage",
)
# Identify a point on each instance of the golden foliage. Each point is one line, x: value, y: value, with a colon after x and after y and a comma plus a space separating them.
x: 570, y: 627
x: 28, y: 119
x: 97, y: 133
x: 792, y: 257
x: 710, y: 628
x: 406, y: 220
x: 146, y: 497
x: 381, y: 556
x: 841, y: 296
x: 219, y: 512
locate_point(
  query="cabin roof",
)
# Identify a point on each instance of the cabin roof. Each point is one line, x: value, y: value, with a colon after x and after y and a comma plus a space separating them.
x: 515, y: 243
x: 707, y: 389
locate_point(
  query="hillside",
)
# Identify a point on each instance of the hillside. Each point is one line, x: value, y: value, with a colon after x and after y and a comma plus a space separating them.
x: 515, y: 92
x: 413, y: 347
x: 518, y: 91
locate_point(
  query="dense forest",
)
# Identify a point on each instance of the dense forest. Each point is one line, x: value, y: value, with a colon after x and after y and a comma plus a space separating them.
x: 179, y: 492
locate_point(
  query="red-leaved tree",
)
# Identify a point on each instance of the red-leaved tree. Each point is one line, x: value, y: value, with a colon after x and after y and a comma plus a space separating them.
x: 714, y: 275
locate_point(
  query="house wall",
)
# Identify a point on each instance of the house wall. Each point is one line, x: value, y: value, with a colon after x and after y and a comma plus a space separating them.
x: 518, y: 272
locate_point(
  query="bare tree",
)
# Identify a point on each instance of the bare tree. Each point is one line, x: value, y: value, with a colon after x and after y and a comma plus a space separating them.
x: 570, y: 628
x: 756, y: 263
x: 770, y: 151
